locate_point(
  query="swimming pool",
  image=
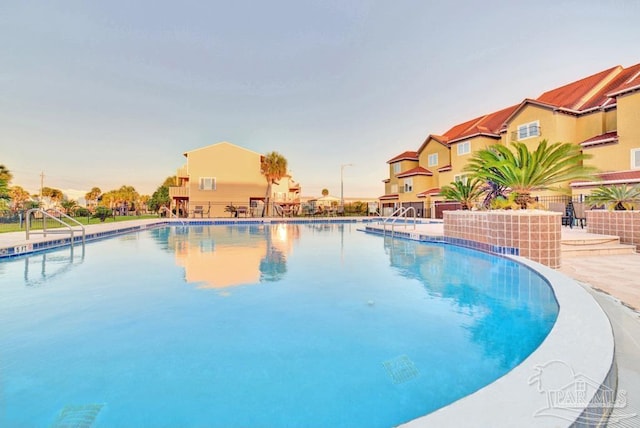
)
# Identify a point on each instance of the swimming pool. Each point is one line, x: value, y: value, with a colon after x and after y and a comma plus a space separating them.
x: 256, y: 325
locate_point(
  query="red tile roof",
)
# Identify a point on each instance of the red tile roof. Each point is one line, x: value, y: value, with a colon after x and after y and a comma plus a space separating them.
x: 490, y: 124
x: 620, y: 175
x: 433, y: 191
x: 444, y: 168
x: 623, y: 81
x: 573, y: 95
x: 630, y: 82
x: 409, y: 155
x: 594, y: 91
x: 415, y: 171
x: 460, y: 129
x: 617, y: 177
x: 607, y: 137
x: 389, y: 196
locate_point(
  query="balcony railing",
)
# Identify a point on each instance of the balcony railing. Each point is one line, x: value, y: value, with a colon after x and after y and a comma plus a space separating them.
x: 178, y: 192
x: 286, y: 198
x: 183, y: 171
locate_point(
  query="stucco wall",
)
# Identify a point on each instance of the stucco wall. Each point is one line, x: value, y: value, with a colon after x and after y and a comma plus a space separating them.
x: 628, y: 126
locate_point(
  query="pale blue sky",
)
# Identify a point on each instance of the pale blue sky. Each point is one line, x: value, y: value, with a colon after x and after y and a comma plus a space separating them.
x: 111, y: 93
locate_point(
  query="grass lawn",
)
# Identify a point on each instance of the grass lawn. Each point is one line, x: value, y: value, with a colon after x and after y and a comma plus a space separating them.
x: 51, y: 224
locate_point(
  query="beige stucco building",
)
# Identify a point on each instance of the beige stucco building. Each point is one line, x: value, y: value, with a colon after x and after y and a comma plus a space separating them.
x: 600, y: 113
x: 223, y: 174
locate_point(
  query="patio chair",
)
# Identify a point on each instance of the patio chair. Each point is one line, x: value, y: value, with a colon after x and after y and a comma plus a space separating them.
x: 579, y: 215
x: 198, y: 209
x: 569, y: 217
x: 287, y: 211
x: 242, y: 210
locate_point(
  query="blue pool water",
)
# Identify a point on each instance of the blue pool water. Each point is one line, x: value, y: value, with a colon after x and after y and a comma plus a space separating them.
x: 308, y: 325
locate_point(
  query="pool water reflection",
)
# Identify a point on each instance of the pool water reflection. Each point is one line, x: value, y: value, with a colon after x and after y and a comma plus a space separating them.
x: 284, y: 325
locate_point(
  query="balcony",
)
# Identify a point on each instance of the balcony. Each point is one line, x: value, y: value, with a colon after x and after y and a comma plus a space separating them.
x: 183, y: 172
x: 178, y: 192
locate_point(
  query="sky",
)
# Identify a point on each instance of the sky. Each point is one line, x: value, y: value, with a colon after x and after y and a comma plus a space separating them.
x: 113, y: 93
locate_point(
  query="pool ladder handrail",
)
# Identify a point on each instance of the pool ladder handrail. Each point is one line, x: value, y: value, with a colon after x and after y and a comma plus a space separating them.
x: 171, y: 214
x: 400, y: 212
x: 45, y: 214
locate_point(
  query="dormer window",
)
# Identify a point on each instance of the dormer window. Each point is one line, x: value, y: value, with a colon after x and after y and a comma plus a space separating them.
x: 528, y: 130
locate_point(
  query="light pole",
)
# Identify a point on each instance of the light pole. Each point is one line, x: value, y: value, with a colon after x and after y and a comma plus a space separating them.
x: 342, y: 183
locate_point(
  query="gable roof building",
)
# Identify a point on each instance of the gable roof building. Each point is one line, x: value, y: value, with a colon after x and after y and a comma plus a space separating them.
x: 600, y: 113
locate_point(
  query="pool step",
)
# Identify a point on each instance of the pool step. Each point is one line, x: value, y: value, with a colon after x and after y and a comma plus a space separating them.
x: 587, y: 244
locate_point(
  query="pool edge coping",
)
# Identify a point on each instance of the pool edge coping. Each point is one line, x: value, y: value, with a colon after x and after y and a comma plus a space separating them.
x: 512, y: 400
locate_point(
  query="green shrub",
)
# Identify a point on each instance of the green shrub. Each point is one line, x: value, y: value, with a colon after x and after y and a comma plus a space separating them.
x: 102, y: 213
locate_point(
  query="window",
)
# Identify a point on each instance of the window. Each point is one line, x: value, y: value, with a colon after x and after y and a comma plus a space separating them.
x: 408, y: 185
x: 464, y: 148
x: 529, y: 130
x: 461, y: 177
x: 207, y: 183
x: 396, y: 168
x: 635, y: 158
x: 433, y: 159
x: 394, y: 188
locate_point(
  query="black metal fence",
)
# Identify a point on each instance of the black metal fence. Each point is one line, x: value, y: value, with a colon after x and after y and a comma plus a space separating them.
x: 11, y: 221
x: 256, y: 209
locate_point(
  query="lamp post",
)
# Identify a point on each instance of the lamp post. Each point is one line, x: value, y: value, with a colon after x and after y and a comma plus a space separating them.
x: 342, y: 183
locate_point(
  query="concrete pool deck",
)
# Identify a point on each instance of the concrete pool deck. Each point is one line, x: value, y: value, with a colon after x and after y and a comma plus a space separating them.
x: 614, y: 282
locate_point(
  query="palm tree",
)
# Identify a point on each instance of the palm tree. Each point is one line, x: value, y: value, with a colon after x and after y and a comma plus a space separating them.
x: 618, y: 198
x: 5, y: 178
x: 325, y: 192
x: 273, y: 166
x: 92, y: 196
x: 69, y: 205
x: 464, y: 191
x: 524, y: 172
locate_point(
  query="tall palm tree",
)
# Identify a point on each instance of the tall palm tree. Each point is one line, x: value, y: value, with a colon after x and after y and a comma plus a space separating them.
x: 92, y: 196
x: 5, y: 174
x: 618, y: 198
x: 5, y: 178
x: 464, y: 191
x: 273, y: 166
x: 524, y: 172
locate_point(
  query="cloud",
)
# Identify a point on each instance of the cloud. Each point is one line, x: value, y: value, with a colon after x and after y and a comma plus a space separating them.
x: 74, y: 194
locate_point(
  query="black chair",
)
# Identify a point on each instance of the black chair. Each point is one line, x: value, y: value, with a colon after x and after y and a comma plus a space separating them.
x: 569, y: 217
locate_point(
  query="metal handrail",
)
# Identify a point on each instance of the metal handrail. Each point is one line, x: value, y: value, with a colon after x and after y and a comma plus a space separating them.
x: 402, y: 211
x: 45, y: 214
x: 171, y: 214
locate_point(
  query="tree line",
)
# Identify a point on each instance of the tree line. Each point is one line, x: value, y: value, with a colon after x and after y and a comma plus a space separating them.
x: 16, y: 198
